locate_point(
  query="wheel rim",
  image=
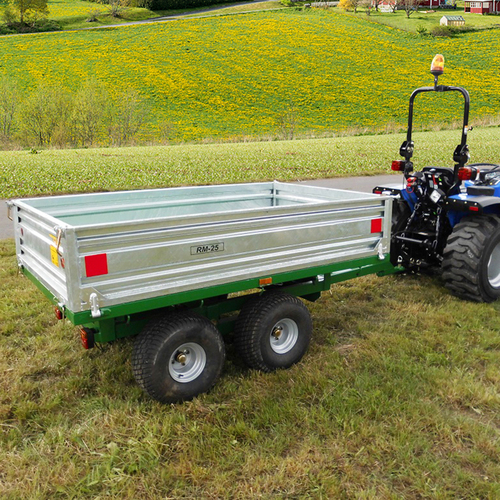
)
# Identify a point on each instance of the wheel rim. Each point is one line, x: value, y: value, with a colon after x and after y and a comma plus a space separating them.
x: 187, y: 362
x: 284, y: 335
x: 494, y: 267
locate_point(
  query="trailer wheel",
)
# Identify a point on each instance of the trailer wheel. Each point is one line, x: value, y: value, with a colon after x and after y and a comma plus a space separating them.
x: 471, y: 265
x: 177, y: 357
x: 273, y: 331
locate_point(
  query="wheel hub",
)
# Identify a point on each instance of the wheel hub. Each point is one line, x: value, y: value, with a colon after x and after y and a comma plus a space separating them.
x: 284, y: 336
x: 187, y: 362
x: 182, y: 357
x: 277, y: 332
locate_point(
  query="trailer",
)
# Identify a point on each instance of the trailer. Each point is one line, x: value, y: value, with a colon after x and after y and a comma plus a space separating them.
x: 180, y: 267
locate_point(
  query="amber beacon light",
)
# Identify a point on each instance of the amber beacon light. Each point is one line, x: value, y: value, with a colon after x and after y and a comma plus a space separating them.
x: 437, y: 66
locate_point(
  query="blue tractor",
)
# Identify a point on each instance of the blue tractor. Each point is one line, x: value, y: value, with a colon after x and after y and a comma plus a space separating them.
x: 448, y: 217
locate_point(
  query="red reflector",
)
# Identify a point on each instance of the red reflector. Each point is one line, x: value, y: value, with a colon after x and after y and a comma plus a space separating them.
x: 87, y: 338
x: 59, y: 314
x: 96, y: 265
x: 376, y: 225
x: 474, y: 209
x: 398, y: 165
x: 377, y: 191
x: 265, y: 281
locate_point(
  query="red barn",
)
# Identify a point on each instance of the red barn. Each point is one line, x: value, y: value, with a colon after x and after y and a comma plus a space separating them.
x: 482, y: 6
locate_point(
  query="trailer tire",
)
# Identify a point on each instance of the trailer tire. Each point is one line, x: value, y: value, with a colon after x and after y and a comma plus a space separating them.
x: 178, y: 357
x: 273, y: 331
x: 471, y: 265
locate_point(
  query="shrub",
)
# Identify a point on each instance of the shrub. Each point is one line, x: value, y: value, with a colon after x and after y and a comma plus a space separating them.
x: 422, y: 30
x: 116, y: 8
x: 442, y: 31
x: 92, y: 16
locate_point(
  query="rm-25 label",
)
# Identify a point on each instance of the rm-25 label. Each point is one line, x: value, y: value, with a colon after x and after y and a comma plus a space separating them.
x: 211, y: 248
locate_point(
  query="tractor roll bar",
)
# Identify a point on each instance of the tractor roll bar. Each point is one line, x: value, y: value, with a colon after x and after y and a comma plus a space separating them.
x: 461, y: 154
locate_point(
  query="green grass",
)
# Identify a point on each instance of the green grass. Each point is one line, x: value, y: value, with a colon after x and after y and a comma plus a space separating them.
x: 78, y: 22
x: 86, y: 170
x: 398, y: 397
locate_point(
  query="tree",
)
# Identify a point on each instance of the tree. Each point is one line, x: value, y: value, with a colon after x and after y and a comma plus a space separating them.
x: 28, y: 11
x: 45, y: 116
x: 367, y: 5
x: 350, y: 4
x: 128, y: 116
x: 9, y: 101
x: 393, y: 5
x: 90, y: 112
x: 409, y: 6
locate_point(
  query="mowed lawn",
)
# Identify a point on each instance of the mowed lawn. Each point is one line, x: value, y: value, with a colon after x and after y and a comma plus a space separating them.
x: 243, y: 75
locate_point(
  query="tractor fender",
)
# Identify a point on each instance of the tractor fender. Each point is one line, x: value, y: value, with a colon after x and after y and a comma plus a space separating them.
x: 460, y: 205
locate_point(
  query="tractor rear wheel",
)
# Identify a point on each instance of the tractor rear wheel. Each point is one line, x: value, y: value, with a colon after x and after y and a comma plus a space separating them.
x: 471, y: 265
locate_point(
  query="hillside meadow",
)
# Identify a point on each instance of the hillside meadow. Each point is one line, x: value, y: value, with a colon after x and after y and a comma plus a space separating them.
x: 318, y: 72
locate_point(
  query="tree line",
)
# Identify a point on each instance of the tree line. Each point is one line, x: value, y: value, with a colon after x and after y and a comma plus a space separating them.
x: 49, y: 116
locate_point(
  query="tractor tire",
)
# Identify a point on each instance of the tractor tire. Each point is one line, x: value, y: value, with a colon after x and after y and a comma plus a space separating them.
x: 273, y: 331
x: 471, y: 264
x: 178, y: 357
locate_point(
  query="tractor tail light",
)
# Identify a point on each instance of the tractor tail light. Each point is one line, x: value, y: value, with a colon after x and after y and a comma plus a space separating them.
x: 398, y: 166
x: 467, y: 173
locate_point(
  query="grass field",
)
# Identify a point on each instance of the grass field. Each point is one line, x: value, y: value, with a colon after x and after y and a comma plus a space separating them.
x: 206, y: 85
x: 398, y: 397
x: 85, y: 170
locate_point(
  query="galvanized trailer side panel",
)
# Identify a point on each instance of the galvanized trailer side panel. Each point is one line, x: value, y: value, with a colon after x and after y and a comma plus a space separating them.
x: 114, y: 248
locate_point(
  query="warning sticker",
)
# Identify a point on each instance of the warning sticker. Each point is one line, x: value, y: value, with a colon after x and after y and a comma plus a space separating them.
x: 53, y: 256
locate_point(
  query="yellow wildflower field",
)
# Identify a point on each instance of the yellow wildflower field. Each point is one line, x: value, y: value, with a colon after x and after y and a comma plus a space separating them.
x: 67, y: 8
x: 237, y: 75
